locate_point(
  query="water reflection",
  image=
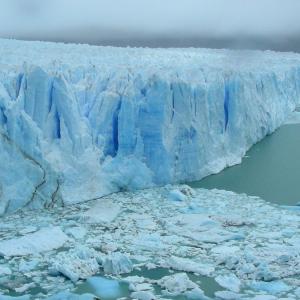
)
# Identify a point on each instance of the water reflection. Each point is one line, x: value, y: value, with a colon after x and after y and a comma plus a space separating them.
x: 270, y: 169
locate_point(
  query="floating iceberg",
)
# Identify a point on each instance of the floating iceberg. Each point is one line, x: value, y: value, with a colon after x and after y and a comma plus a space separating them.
x: 45, y: 239
x: 78, y: 122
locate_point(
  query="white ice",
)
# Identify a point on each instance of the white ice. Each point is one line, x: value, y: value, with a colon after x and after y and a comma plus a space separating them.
x: 45, y: 239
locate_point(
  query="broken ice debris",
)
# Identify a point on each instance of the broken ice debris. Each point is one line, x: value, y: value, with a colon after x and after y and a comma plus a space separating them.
x: 45, y: 239
x: 80, y: 263
x: 117, y: 263
x: 103, y: 211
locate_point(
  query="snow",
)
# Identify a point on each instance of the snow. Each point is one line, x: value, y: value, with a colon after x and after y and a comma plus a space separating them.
x: 45, y: 239
x: 78, y: 122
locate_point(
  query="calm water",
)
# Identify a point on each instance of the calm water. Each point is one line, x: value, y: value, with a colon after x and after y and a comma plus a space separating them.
x: 108, y: 289
x: 270, y: 170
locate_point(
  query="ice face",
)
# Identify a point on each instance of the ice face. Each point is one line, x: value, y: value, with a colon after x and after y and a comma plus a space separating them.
x: 79, y: 122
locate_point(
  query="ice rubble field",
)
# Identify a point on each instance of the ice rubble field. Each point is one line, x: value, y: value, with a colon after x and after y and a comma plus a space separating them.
x: 248, y: 247
x: 78, y: 122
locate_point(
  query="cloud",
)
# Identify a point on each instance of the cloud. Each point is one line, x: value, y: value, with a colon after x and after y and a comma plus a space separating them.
x: 149, y: 18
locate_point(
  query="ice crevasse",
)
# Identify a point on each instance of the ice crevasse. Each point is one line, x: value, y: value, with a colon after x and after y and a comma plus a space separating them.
x: 78, y: 122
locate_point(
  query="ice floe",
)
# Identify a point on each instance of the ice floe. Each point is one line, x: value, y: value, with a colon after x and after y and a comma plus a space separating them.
x: 45, y: 239
x: 154, y: 246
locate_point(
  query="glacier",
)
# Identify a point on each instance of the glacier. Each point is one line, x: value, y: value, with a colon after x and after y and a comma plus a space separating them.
x: 78, y: 122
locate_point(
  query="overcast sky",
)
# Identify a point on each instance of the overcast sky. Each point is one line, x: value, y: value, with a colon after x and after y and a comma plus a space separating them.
x: 131, y: 20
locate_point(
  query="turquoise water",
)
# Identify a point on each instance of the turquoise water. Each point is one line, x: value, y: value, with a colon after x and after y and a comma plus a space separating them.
x: 270, y: 169
x: 98, y: 286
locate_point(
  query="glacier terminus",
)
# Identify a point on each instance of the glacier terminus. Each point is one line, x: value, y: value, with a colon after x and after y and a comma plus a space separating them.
x: 80, y: 122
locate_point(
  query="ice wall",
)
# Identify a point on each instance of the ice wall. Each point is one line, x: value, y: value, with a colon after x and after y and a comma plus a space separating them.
x: 78, y: 122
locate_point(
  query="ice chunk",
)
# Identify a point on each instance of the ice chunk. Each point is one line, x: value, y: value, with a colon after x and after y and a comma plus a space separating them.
x: 227, y: 295
x: 143, y: 295
x: 177, y: 283
x: 25, y: 287
x: 76, y: 264
x: 27, y: 266
x: 188, y: 265
x: 230, y: 282
x: 140, y: 287
x: 273, y: 287
x: 26, y: 297
x: 293, y: 118
x: 264, y: 297
x: 117, y: 263
x: 45, y: 239
x: 105, y: 288
x: 76, y: 232
x: 134, y: 279
x: 196, y: 294
x: 104, y: 211
x: 71, y: 296
x: 5, y: 270
x: 176, y: 195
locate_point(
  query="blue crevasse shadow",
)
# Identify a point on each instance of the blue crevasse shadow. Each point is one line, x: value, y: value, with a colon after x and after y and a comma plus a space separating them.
x: 226, y: 106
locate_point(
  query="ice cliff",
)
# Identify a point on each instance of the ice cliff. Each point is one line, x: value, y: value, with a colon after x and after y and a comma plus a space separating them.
x: 78, y: 122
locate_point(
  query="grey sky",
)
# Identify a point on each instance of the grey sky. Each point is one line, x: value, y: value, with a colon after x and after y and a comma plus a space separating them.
x: 117, y: 19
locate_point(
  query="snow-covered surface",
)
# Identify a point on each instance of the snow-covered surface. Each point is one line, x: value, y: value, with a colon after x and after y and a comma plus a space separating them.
x: 78, y: 122
x: 259, y: 259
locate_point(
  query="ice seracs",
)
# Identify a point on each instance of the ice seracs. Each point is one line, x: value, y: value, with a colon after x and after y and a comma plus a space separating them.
x: 80, y: 122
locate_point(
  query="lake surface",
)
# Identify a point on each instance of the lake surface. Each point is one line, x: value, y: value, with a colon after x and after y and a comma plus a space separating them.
x: 270, y: 169
x: 101, y: 286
